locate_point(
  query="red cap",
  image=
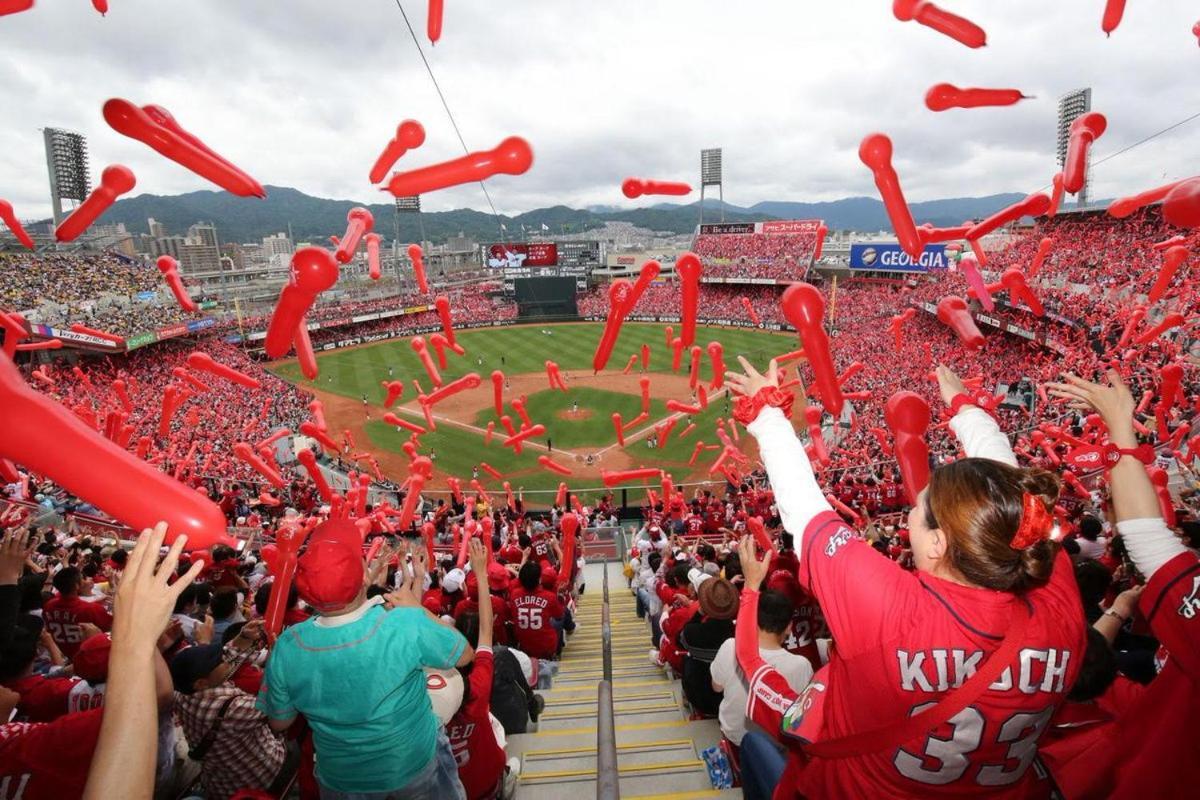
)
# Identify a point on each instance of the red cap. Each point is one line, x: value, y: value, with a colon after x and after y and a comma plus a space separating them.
x: 330, y: 574
x: 91, y: 660
x: 549, y: 577
x: 497, y: 577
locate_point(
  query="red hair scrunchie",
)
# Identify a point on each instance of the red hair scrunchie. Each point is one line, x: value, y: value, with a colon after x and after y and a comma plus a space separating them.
x: 747, y: 409
x: 1036, y: 522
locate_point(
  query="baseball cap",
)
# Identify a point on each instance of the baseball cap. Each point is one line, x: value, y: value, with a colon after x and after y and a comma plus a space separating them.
x: 454, y: 580
x: 497, y: 577
x: 330, y: 574
x: 192, y: 664
x: 549, y: 576
x: 91, y: 660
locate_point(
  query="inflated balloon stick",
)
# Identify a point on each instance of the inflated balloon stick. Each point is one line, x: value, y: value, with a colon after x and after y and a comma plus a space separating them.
x: 1013, y: 280
x: 519, y: 406
x: 1169, y: 388
x: 554, y: 376
x: 433, y: 23
x: 876, y: 152
x: 281, y: 558
x: 419, y: 471
x: 400, y: 422
x: 1172, y: 260
x: 943, y: 96
x: 418, y: 263
x: 931, y: 16
x: 153, y: 130
x: 1113, y: 11
x: 1040, y: 256
x: 1056, y: 195
x: 1032, y: 206
x: 204, y: 362
x: 1166, y: 506
x: 953, y: 313
x: 246, y: 453
x: 670, y: 331
x: 1181, y: 206
x: 750, y: 312
x: 551, y: 465
x: 409, y: 136
x: 374, y: 270
x: 716, y: 355
x: 14, y: 6
x: 47, y: 439
x: 646, y: 276
x: 1172, y: 320
x: 1084, y: 131
x: 644, y: 384
x: 498, y: 392
x: 619, y: 292
x: 304, y: 350
x: 169, y: 267
x: 676, y: 354
x: 804, y: 308
x: 907, y: 415
x: 694, y: 369
x: 822, y: 232
x: 624, y: 476
x: 10, y: 220
x: 969, y: 266
x: 469, y: 381
x: 570, y: 528
x: 313, y: 271
x: 1123, y: 207
x: 527, y: 433
x: 442, y: 303
x: 439, y: 344
x: 418, y: 346
x: 616, y: 421
x: 629, y: 364
x: 1135, y: 319
x: 645, y: 354
x: 636, y: 187
x: 513, y: 156
x: 114, y: 182
x: 687, y: 267
x: 812, y: 416
x: 359, y: 222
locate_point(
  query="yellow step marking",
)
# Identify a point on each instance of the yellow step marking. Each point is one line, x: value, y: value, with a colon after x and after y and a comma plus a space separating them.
x: 577, y: 713
x: 696, y: 795
x: 625, y: 770
x: 551, y: 702
x: 651, y: 745
x: 633, y: 726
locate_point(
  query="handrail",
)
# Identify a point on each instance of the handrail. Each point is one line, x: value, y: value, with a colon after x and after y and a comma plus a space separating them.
x: 608, y: 779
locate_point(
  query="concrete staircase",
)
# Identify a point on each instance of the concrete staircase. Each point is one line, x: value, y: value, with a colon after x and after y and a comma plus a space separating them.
x: 658, y: 748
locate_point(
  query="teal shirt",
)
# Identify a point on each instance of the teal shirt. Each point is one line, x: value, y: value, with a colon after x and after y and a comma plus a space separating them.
x: 362, y: 689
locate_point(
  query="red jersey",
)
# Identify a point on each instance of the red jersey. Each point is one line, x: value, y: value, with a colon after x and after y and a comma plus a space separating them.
x: 43, y: 699
x: 808, y: 625
x: 903, y: 641
x: 480, y: 759
x: 532, y: 612
x: 222, y: 574
x: 541, y: 548
x: 50, y: 760
x: 695, y: 524
x: 64, y: 615
x: 470, y: 605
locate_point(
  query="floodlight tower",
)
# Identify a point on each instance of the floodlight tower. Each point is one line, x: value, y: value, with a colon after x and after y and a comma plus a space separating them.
x: 67, y: 163
x: 1072, y: 106
x: 710, y: 175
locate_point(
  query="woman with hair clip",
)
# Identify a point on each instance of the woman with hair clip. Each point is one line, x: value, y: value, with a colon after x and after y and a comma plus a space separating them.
x: 941, y: 680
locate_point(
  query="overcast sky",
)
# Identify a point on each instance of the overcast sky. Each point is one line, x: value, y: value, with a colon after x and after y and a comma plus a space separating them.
x: 305, y: 93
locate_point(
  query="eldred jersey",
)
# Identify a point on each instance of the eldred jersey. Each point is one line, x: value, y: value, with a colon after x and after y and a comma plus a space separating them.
x: 531, y: 613
x: 480, y: 759
x: 64, y: 615
x: 903, y: 641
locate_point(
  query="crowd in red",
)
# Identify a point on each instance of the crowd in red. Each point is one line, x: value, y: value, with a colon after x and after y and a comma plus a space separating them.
x: 717, y: 302
x: 780, y: 256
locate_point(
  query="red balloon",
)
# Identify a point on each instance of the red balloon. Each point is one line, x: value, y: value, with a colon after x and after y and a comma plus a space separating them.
x: 313, y: 270
x: 169, y: 267
x: 554, y: 376
x: 311, y: 430
x: 636, y: 187
x: 519, y: 406
x: 373, y: 256
x: 359, y: 222
x: 1172, y: 320
x: 10, y: 220
x: 304, y: 350
x: 469, y: 381
x: 716, y: 354
x: 1032, y: 206
x: 687, y: 267
x: 443, y: 309
x: 943, y: 96
x: 940, y: 20
x: 409, y: 136
x: 694, y: 370
x: 281, y: 558
x: 670, y: 331
x: 136, y: 123
x: 645, y: 357
x: 646, y: 277
x: 644, y: 383
x: 907, y: 415
x: 400, y: 422
x: 1123, y: 207
x: 1013, y: 280
x: 616, y: 421
x: 498, y: 392
x: 619, y: 292
x: 822, y: 232
x: 418, y: 346
x: 1043, y: 250
x: 101, y: 6
x: 246, y: 453
x: 395, y: 389
x: 513, y: 156
x: 876, y: 152
x: 48, y: 439
x: 418, y: 262
x: 1181, y: 206
x: 1166, y: 506
x: 750, y: 310
x: 970, y: 269
x: 759, y: 532
x: 812, y: 416
x: 433, y: 25
x: 527, y: 433
x: 1113, y: 11
x: 804, y: 308
x: 624, y: 476
x: 204, y: 362
x: 549, y: 464
x: 952, y: 311
x: 114, y: 182
x: 14, y: 6
x: 1135, y: 319
x: 1055, y: 195
x: 676, y: 353
x: 1084, y: 130
x: 1172, y: 260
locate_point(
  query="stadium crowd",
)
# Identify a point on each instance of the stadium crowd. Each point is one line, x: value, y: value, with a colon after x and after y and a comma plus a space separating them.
x: 779, y: 256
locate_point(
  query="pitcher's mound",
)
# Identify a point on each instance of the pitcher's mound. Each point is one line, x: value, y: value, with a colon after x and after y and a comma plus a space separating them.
x: 574, y: 416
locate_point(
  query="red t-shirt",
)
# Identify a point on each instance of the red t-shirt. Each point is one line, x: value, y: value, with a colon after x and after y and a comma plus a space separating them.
x: 903, y: 641
x: 808, y: 625
x: 480, y: 759
x: 43, y: 699
x: 531, y: 613
x: 63, y: 616
x: 222, y: 574
x: 50, y: 760
x: 499, y: 615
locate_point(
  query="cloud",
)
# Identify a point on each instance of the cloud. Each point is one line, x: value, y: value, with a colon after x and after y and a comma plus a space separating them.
x: 305, y: 93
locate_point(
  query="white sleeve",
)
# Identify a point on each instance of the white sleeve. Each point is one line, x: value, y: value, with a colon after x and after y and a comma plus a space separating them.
x: 1150, y: 543
x: 797, y: 494
x: 981, y: 437
x: 722, y: 665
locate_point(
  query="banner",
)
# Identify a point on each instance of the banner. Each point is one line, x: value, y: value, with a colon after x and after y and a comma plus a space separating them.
x: 727, y: 227
x: 520, y: 254
x: 890, y: 258
x: 83, y: 340
x: 791, y: 226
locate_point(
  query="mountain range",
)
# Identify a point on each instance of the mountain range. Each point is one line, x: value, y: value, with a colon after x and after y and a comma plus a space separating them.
x: 240, y: 219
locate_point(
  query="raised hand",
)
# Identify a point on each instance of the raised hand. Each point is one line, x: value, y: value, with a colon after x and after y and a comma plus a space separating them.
x: 950, y: 384
x: 145, y: 600
x: 752, y: 381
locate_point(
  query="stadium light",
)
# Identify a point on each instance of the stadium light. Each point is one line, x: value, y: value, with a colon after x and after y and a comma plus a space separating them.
x: 67, y: 163
x: 1072, y: 106
x: 710, y: 175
